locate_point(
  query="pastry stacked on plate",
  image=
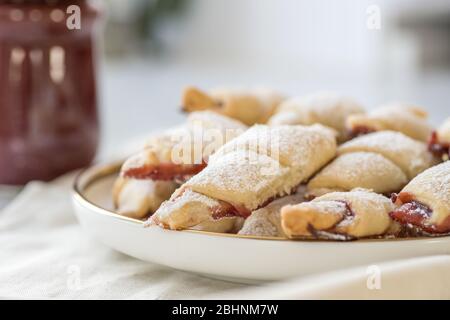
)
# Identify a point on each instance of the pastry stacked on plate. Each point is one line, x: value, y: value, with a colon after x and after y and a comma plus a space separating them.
x: 315, y: 167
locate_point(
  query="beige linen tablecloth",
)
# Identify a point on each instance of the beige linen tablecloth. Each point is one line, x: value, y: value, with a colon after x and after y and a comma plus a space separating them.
x: 45, y: 254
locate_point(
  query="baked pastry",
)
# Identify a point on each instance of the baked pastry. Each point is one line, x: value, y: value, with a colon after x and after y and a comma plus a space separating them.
x: 245, y: 174
x: 151, y: 176
x: 266, y: 221
x: 327, y: 108
x: 381, y: 161
x: 193, y: 210
x: 358, y: 213
x: 410, y: 155
x: 424, y: 203
x: 411, y: 121
x: 136, y: 198
x: 439, y: 143
x: 182, y: 152
x: 249, y: 106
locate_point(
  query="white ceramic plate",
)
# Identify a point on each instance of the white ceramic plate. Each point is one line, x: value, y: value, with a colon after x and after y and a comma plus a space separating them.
x: 232, y: 257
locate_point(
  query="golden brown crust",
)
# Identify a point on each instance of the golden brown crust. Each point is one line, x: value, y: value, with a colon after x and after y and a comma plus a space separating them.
x: 193, y: 99
x: 249, y: 106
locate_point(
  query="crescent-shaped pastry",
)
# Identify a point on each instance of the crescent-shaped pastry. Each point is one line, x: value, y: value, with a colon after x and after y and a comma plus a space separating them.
x: 327, y: 108
x: 244, y: 178
x: 136, y: 198
x: 411, y: 121
x: 183, y: 151
x: 266, y: 221
x: 206, y: 214
x: 425, y: 201
x: 410, y: 155
x: 339, y: 216
x: 249, y: 106
x: 439, y: 142
x: 367, y: 170
x: 381, y: 161
x: 226, y: 189
x: 169, y: 158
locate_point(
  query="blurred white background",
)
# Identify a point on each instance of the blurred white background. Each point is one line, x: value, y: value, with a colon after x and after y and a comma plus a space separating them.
x: 375, y: 51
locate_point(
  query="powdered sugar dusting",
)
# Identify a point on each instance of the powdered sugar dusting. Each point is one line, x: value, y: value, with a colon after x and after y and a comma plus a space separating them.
x: 209, y: 119
x: 410, y: 155
x: 258, y: 224
x: 327, y: 108
x: 192, y: 143
x: 187, y: 197
x: 292, y: 146
x: 243, y: 178
x: 266, y: 221
x: 327, y: 206
x: 407, y: 119
x: 359, y: 169
x: 249, y: 169
x: 434, y: 181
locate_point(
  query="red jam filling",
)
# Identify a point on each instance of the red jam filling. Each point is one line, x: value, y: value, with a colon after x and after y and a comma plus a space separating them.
x: 438, y: 148
x: 223, y: 210
x: 349, y: 211
x: 228, y: 210
x: 164, y: 171
x: 359, y: 131
x: 417, y: 214
x: 330, y: 233
x: 413, y: 213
